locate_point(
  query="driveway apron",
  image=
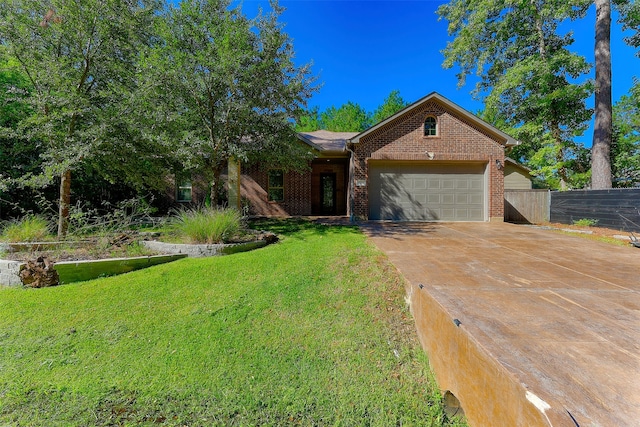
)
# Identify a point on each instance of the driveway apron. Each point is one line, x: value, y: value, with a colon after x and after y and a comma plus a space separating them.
x: 524, y: 326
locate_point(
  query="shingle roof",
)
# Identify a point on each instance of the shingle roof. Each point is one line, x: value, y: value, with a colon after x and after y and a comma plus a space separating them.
x: 325, y: 140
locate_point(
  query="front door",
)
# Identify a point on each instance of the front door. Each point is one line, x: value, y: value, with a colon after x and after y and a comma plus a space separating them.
x: 328, y: 193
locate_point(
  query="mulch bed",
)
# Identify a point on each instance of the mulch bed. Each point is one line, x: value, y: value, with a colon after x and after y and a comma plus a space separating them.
x: 109, y: 247
x: 596, y: 231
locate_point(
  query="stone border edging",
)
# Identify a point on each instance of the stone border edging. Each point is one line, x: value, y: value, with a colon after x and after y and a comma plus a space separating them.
x: 77, y: 271
x: 74, y: 271
x: 9, y: 272
x: 202, y: 250
x: 38, y: 246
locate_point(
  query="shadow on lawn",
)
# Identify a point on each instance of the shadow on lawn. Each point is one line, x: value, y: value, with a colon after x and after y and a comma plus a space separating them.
x: 289, y: 226
x: 397, y: 230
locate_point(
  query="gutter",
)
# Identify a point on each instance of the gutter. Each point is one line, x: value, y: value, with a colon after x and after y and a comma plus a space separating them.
x: 350, y: 194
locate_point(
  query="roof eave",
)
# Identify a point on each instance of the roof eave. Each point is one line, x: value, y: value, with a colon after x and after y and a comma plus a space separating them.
x: 309, y: 143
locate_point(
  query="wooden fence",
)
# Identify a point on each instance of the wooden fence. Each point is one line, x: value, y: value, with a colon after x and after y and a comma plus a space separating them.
x: 618, y: 208
x: 526, y: 206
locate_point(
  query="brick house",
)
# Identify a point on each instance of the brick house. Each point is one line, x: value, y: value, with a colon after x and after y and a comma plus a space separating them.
x: 321, y: 190
x: 431, y: 161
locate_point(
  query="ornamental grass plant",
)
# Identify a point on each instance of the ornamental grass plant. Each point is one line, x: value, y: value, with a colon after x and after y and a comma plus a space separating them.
x: 30, y: 228
x: 208, y: 225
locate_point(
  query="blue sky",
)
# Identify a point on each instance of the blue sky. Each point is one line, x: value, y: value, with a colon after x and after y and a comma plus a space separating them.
x: 362, y: 50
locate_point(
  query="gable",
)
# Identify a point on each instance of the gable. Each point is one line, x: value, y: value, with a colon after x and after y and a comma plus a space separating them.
x: 439, y: 106
x: 455, y: 133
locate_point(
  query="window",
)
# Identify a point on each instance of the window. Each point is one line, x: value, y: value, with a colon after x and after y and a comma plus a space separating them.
x: 430, y: 126
x: 276, y: 185
x: 184, y: 190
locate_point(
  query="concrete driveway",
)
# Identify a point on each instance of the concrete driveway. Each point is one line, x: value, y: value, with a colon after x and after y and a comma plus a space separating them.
x: 524, y: 326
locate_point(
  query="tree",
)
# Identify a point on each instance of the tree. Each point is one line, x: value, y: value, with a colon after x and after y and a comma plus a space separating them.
x: 526, y: 73
x: 630, y: 20
x: 603, y: 126
x: 349, y: 117
x: 601, y: 165
x: 391, y: 105
x: 80, y: 62
x: 229, y: 90
x: 14, y: 88
x: 309, y: 121
x: 18, y: 157
x: 625, y: 147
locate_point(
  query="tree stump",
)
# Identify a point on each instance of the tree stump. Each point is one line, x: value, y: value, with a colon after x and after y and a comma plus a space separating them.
x: 268, y: 237
x: 39, y: 273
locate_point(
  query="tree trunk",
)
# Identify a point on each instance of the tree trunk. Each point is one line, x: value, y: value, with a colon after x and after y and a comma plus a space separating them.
x: 603, y: 128
x: 65, y: 202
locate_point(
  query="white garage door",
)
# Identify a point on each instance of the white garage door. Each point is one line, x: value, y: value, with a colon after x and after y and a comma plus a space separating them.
x: 426, y: 192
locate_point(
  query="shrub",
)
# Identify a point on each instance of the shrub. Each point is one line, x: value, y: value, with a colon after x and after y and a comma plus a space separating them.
x: 30, y: 228
x: 209, y: 225
x: 585, y: 222
x: 125, y: 216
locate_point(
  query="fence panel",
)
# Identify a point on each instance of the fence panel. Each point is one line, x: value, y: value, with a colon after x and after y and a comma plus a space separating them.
x: 526, y: 206
x: 618, y: 208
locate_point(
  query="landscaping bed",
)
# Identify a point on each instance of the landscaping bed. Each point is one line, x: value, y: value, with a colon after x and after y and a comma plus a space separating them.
x: 608, y: 235
x: 209, y: 232
x: 74, y: 251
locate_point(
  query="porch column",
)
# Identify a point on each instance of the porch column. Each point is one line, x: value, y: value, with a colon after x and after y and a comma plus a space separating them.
x: 351, y: 186
x: 233, y: 184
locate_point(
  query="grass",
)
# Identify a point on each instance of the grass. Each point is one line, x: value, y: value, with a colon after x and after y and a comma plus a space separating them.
x: 598, y: 234
x: 310, y: 331
x: 586, y: 222
x: 208, y: 225
x: 598, y: 238
x: 30, y: 228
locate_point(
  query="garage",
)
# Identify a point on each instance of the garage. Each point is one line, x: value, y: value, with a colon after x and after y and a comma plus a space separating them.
x: 417, y: 191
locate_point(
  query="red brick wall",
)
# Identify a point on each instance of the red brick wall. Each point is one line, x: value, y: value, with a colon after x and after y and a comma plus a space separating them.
x: 457, y: 140
x: 297, y: 193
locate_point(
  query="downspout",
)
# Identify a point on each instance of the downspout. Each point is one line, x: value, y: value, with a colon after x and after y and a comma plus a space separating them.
x: 351, y: 187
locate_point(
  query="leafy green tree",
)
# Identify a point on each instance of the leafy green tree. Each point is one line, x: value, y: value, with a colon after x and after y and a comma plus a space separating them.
x: 625, y: 149
x: 630, y: 20
x: 18, y: 156
x: 229, y: 90
x: 80, y: 62
x: 527, y: 74
x: 14, y: 88
x: 349, y: 117
x: 309, y: 121
x: 391, y: 105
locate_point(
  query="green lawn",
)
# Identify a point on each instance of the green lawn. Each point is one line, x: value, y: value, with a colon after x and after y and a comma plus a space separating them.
x: 310, y: 331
